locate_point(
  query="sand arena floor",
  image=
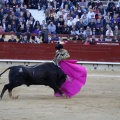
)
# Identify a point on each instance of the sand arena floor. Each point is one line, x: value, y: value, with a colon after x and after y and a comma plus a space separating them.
x: 99, y: 99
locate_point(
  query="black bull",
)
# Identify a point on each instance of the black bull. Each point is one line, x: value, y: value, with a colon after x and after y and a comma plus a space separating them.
x: 43, y: 74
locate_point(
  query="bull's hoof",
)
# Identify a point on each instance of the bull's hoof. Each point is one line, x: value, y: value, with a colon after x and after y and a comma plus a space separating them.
x: 15, y: 97
x: 57, y: 95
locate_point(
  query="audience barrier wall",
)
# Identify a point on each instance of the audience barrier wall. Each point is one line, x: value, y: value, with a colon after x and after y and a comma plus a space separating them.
x: 100, y: 52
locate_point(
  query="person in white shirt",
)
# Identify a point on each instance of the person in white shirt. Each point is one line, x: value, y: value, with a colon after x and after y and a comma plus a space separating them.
x: 109, y: 32
x: 70, y: 22
x: 60, y: 12
x: 91, y: 13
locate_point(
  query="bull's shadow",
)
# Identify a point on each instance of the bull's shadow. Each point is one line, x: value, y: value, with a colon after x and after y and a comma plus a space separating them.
x: 47, y: 74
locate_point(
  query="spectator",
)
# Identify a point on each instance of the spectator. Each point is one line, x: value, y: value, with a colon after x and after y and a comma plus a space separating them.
x: 26, y: 39
x: 92, y: 24
x: 101, y: 10
x: 9, y: 28
x: 79, y: 24
x: 59, y: 29
x: 66, y: 29
x: 2, y: 39
x: 43, y: 24
x: 4, y: 24
x: 12, y: 39
x: 98, y: 3
x: 115, y: 39
x: 83, y: 5
x: 91, y: 4
x: 51, y: 28
x: 101, y: 39
x: 1, y: 29
x: 98, y: 24
x: 44, y: 35
x: 60, y: 12
x: 91, y: 14
x: 70, y: 22
x: 21, y: 39
x: 74, y: 31
x: 37, y: 30
x: 55, y: 38
x: 102, y: 31
x: 87, y: 41
x: 87, y: 32
x: 108, y: 39
x: 94, y: 31
x: 116, y: 32
x: 109, y: 32
x: 76, y: 38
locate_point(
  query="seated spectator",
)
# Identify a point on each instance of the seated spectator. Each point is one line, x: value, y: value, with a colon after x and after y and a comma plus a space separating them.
x: 92, y: 24
x: 76, y: 38
x: 21, y: 27
x: 101, y: 31
x: 55, y: 38
x: 59, y: 29
x: 25, y: 39
x: 37, y: 30
x: 108, y: 38
x: 101, y: 39
x: 51, y: 28
x: 83, y: 4
x: 2, y: 39
x: 76, y: 19
x: 70, y: 22
x: 74, y: 31
x: 59, y: 13
x: 91, y: 3
x: 98, y: 24
x: 43, y: 25
x: 109, y: 32
x: 12, y: 39
x: 87, y: 41
x: 66, y: 29
x: 34, y: 40
x: 21, y: 39
x: 81, y: 32
x: 91, y: 14
x: 61, y: 20
x: 93, y: 39
x: 94, y: 31
x: 98, y: 3
x: 85, y: 19
x: 1, y: 29
x: 101, y: 10
x: 87, y: 32
x: 115, y: 39
x: 79, y: 24
x: 9, y: 29
x: 116, y: 32
x: 37, y: 23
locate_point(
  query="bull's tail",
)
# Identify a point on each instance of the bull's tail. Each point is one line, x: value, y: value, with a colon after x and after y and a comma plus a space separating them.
x: 5, y: 71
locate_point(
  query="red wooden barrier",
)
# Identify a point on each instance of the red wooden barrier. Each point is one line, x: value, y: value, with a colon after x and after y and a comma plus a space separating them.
x: 100, y: 53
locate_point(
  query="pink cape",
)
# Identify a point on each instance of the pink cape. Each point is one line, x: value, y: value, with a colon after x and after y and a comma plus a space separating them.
x: 76, y: 77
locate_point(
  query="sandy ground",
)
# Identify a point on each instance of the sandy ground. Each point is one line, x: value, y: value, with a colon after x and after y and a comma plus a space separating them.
x: 99, y: 99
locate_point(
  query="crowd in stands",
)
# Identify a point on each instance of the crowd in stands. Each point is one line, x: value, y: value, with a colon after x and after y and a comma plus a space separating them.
x: 73, y: 17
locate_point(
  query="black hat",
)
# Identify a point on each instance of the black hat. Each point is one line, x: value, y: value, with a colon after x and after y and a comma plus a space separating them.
x: 58, y: 46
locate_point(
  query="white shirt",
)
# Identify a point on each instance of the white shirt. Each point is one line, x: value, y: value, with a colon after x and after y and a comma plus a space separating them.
x: 69, y: 22
x: 90, y: 14
x: 109, y: 33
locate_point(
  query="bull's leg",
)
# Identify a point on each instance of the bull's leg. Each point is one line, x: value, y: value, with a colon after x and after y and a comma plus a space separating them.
x: 56, y: 89
x: 8, y: 87
x: 10, y: 95
x: 4, y: 89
